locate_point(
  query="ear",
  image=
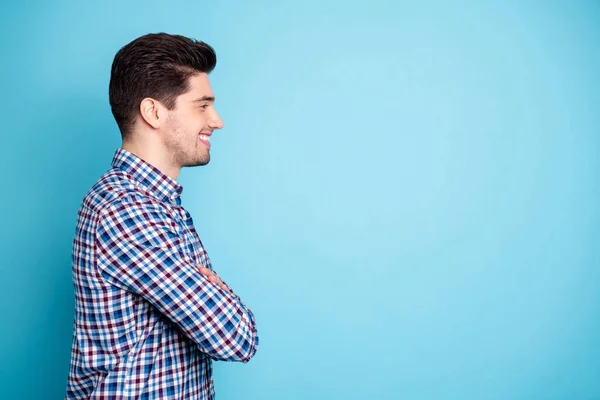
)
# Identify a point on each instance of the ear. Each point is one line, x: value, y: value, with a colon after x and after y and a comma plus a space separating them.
x: 151, y: 111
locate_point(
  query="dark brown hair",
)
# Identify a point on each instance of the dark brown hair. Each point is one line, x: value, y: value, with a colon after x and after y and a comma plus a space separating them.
x: 156, y: 65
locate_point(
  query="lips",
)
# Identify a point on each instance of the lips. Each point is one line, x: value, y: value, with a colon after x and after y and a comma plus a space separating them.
x: 205, y: 139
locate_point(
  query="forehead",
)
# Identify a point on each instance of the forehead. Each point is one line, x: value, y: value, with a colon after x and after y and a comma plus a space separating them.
x: 199, y: 86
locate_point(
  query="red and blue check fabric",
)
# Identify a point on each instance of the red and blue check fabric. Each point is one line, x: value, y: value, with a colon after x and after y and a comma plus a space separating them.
x: 147, y: 323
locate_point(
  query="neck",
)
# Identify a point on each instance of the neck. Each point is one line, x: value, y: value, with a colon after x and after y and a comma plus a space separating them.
x: 153, y: 156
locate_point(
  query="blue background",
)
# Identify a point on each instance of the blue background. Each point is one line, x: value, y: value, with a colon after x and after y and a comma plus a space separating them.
x: 405, y: 194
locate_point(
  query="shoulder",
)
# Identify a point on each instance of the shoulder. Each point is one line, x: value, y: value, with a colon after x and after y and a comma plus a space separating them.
x: 134, y: 217
x: 116, y: 209
x: 134, y: 207
x: 115, y: 192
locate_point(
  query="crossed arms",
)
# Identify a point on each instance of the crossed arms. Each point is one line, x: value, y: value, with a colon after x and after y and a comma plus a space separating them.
x: 139, y: 249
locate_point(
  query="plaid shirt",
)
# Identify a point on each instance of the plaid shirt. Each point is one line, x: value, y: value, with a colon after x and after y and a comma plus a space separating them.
x: 147, y: 323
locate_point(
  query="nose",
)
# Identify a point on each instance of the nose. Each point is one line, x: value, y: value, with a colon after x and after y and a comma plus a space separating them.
x: 215, y: 121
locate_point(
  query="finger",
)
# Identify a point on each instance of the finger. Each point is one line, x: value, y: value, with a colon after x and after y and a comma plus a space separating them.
x: 204, y: 271
x: 225, y: 287
x: 220, y: 282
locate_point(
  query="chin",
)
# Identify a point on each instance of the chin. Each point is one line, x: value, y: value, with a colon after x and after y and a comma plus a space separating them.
x: 200, y: 162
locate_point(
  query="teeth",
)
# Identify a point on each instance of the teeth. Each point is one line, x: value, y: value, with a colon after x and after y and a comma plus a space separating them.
x: 205, y: 138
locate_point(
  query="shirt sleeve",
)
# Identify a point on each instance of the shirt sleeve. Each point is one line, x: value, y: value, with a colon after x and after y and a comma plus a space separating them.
x: 140, y: 249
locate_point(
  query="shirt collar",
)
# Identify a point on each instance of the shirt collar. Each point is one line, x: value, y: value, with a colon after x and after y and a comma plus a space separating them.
x: 160, y: 185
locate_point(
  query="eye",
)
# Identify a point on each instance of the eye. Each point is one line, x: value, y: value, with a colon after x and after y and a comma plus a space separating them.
x: 204, y: 106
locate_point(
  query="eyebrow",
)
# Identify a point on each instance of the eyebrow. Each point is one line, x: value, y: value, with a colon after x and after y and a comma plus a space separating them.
x: 204, y: 98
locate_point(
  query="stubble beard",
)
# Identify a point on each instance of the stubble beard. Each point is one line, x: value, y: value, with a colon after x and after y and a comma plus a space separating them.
x: 184, y: 155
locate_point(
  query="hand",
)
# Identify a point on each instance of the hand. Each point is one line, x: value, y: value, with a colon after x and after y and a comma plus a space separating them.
x: 213, y: 277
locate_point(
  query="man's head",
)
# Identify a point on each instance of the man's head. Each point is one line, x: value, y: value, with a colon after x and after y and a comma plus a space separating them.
x: 161, y: 98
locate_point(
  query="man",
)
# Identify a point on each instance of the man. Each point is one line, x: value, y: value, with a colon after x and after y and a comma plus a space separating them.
x: 151, y: 313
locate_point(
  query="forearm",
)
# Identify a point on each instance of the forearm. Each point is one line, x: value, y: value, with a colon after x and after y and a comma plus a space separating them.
x: 152, y: 263
x: 244, y: 337
x: 241, y: 342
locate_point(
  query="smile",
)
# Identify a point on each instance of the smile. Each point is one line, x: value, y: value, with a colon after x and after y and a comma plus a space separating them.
x: 205, y: 139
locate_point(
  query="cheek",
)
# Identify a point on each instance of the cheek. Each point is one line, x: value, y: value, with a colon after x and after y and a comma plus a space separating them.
x: 196, y: 123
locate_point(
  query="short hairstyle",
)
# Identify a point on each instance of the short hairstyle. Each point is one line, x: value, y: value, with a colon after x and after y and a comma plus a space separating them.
x: 156, y: 65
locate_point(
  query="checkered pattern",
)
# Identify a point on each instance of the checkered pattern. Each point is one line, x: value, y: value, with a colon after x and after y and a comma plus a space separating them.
x: 147, y: 323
